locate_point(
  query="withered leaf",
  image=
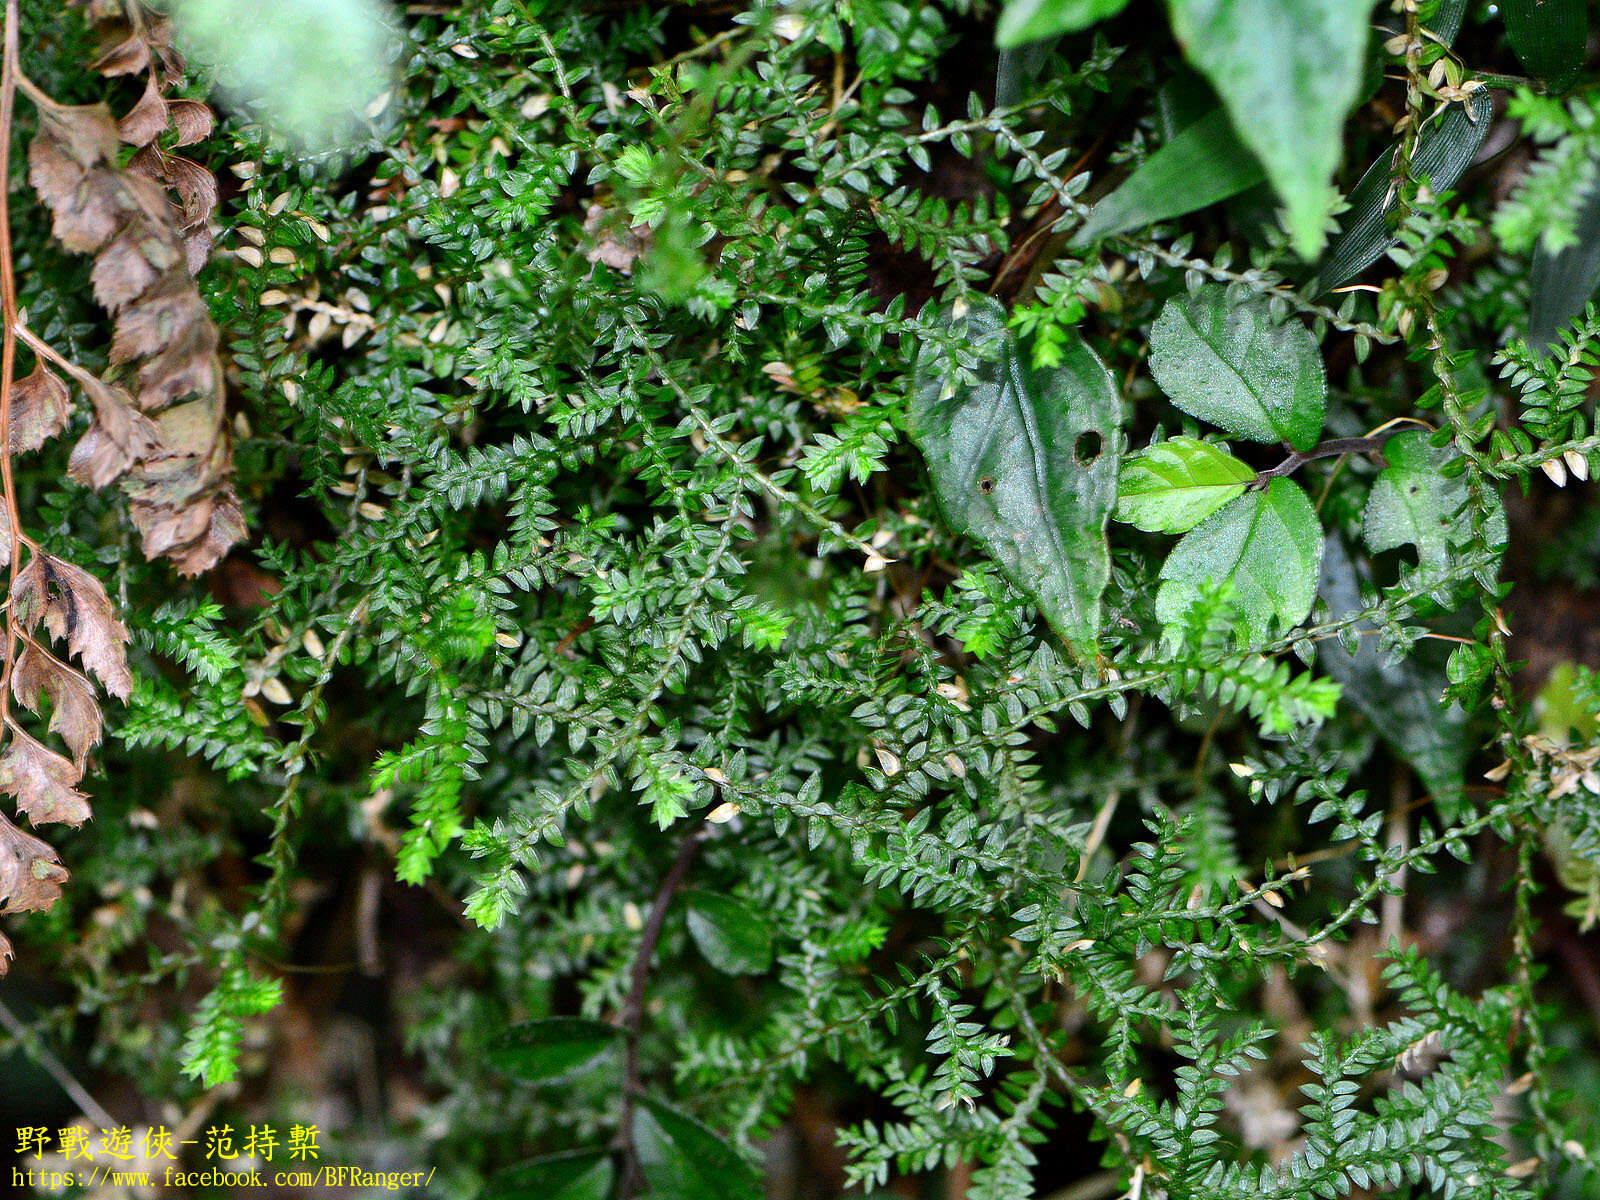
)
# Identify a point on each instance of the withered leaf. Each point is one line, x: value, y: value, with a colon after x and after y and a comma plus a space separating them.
x: 40, y: 409
x: 41, y: 780
x: 74, y: 606
x: 31, y: 874
x: 6, y: 954
x: 130, y: 266
x: 150, y: 324
x: 74, y: 712
x: 127, y: 57
x: 146, y: 120
x: 5, y: 534
x: 86, y: 132
x: 226, y: 528
x: 192, y: 119
x: 187, y: 367
x: 164, y: 526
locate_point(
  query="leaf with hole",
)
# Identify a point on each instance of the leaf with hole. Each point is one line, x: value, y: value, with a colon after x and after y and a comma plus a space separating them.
x: 684, y: 1160
x: 733, y: 937
x: 575, y: 1175
x: 1172, y: 486
x: 1288, y: 72
x: 1023, y: 21
x: 1203, y: 163
x: 1413, y: 503
x: 1267, y: 544
x: 1228, y: 362
x: 552, y: 1050
x: 1024, y: 460
x: 1445, y: 148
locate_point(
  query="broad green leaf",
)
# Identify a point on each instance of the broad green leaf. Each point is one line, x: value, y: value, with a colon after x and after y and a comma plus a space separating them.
x: 1288, y: 72
x: 553, y: 1049
x: 1030, y: 20
x: 684, y: 1160
x: 1549, y: 37
x: 1174, y: 485
x: 1203, y: 163
x: 575, y: 1175
x: 1229, y: 363
x: 308, y: 67
x: 1024, y: 459
x: 1446, y: 148
x: 1413, y: 503
x: 733, y: 938
x: 1560, y: 285
x: 1400, y: 697
x: 1267, y: 544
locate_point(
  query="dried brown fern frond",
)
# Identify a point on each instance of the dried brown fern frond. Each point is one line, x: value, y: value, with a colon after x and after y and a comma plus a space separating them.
x: 158, y: 424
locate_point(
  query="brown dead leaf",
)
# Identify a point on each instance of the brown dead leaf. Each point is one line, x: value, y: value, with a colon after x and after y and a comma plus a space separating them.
x: 74, y: 712
x: 31, y: 874
x: 40, y: 409
x: 42, y: 781
x: 74, y: 606
x: 146, y: 120
x: 127, y: 57
x: 193, y: 121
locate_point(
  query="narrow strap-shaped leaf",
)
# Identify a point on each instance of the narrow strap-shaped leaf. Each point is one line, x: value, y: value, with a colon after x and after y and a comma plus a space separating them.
x: 1445, y: 149
x: 1561, y: 284
x: 1024, y: 460
x: 1203, y: 163
x: 1549, y: 37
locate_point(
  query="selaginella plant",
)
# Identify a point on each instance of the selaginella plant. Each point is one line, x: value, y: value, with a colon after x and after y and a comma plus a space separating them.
x: 821, y: 587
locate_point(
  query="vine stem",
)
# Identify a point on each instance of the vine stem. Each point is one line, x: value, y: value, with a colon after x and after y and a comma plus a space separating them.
x: 633, y: 1007
x: 9, y: 73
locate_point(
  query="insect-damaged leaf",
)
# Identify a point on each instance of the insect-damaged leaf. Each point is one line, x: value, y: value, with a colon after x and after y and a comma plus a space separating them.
x: 733, y: 937
x: 1445, y: 148
x: 1228, y: 362
x: 1288, y: 72
x: 1203, y: 163
x: 554, y: 1049
x: 1172, y: 486
x: 1266, y: 544
x: 1024, y: 459
x: 1413, y: 503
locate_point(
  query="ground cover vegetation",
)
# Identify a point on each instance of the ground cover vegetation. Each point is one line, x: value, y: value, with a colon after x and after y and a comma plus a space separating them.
x: 901, y: 597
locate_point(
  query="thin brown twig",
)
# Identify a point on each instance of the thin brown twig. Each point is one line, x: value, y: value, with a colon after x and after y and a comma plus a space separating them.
x: 633, y: 1008
x: 8, y: 344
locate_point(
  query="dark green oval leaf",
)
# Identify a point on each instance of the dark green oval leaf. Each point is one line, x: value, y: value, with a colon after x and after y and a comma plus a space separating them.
x: 1549, y: 37
x: 1445, y: 148
x: 575, y: 1175
x: 1203, y: 163
x: 733, y: 938
x: 1172, y: 486
x: 1267, y: 545
x: 685, y: 1160
x: 1229, y: 363
x: 1288, y: 72
x: 553, y: 1049
x: 1024, y: 460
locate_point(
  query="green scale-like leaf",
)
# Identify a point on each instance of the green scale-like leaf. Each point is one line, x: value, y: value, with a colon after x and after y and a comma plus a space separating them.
x: 1267, y: 545
x: 1229, y: 363
x: 1288, y: 72
x: 1174, y: 485
x: 1024, y: 459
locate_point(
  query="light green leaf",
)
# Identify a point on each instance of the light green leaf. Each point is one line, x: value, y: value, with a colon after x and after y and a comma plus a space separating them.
x: 1174, y: 485
x: 1549, y: 37
x: 575, y: 1175
x: 684, y: 1160
x: 1203, y: 163
x: 734, y: 938
x: 309, y: 67
x: 1229, y: 363
x: 1030, y: 20
x: 1445, y: 148
x: 1267, y: 544
x: 1288, y: 72
x: 1413, y: 503
x: 1024, y: 459
x: 552, y: 1050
